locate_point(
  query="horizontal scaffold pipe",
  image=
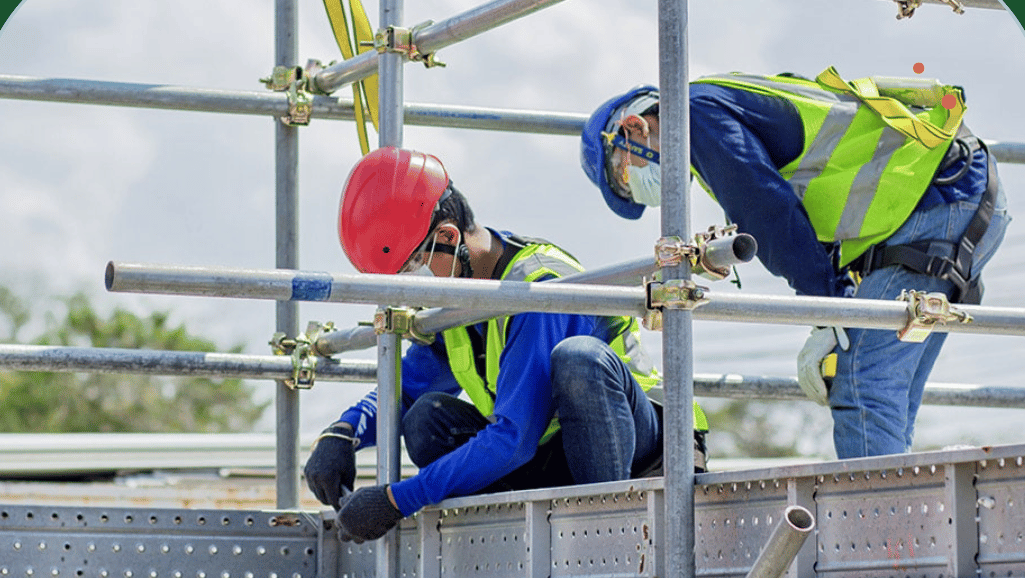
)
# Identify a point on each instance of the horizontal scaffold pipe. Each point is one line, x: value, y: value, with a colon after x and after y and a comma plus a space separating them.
x: 989, y: 4
x: 487, y: 295
x: 432, y: 37
x: 63, y: 359
x: 431, y: 321
x: 165, y: 97
x: 175, y: 363
x: 760, y: 387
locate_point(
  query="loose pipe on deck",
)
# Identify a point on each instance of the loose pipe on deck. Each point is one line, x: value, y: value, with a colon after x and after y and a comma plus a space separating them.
x: 784, y: 543
x: 487, y: 295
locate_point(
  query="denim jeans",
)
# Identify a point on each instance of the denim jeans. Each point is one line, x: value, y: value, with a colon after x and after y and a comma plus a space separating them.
x: 609, y: 426
x: 879, y: 382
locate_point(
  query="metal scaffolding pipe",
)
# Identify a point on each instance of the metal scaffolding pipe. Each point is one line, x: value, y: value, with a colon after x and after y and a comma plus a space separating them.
x: 763, y: 388
x: 104, y: 360
x: 432, y: 38
x: 719, y: 254
x: 175, y: 363
x: 431, y: 321
x: 783, y: 544
x: 167, y: 97
x: 488, y: 295
x: 677, y: 323
x: 988, y: 4
x: 286, y: 256
x: 389, y: 345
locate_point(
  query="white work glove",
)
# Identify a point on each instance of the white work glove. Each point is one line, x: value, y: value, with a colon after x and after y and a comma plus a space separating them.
x: 821, y: 342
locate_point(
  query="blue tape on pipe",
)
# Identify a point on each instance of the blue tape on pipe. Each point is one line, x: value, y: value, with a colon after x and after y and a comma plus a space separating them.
x: 311, y: 287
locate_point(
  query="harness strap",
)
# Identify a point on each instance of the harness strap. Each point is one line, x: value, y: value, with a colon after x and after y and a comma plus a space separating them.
x: 941, y: 258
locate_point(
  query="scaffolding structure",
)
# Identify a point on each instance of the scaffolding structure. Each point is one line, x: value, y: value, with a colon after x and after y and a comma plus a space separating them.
x: 951, y: 513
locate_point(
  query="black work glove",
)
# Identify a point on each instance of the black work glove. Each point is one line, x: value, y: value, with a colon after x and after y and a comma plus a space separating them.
x: 366, y: 514
x: 332, y: 464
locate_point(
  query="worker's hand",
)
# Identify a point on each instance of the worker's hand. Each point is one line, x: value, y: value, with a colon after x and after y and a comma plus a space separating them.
x: 821, y: 342
x: 367, y: 514
x: 332, y: 464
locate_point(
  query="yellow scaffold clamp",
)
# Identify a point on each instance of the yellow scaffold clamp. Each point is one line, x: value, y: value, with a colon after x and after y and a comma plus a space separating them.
x: 290, y: 80
x: 925, y: 310
x: 303, y: 350
x: 401, y: 40
x: 671, y: 251
x: 672, y: 294
x: 399, y: 320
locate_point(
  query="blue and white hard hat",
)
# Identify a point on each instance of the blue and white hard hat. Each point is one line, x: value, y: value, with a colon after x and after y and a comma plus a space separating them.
x: 595, y: 148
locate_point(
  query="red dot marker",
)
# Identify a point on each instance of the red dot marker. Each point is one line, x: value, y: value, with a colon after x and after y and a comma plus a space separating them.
x: 919, y: 68
x: 948, y: 101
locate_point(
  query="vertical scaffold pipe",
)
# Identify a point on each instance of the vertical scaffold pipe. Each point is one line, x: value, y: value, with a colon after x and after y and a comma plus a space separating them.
x: 389, y: 345
x: 677, y: 324
x: 286, y: 257
x: 784, y: 543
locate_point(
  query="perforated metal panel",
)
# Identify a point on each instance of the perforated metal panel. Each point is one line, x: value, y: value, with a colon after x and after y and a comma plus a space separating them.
x: 609, y: 534
x: 885, y: 523
x: 937, y: 515
x: 127, y: 543
x: 733, y: 521
x: 1000, y: 485
x: 484, y: 540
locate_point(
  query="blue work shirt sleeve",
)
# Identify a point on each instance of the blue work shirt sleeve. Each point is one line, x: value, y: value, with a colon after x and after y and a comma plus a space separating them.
x: 423, y: 370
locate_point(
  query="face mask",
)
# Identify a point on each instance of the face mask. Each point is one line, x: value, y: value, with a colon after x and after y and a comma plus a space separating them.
x: 646, y: 184
x: 421, y: 271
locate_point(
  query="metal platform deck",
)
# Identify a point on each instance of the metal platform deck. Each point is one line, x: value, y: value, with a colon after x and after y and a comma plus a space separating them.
x: 936, y: 514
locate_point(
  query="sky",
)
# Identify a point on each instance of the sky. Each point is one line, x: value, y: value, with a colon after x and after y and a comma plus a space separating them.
x: 81, y: 185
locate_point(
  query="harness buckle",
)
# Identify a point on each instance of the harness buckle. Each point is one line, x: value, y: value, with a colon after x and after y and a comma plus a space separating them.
x: 925, y: 310
x: 672, y: 294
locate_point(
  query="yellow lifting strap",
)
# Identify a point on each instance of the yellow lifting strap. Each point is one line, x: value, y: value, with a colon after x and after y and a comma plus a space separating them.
x: 896, y: 114
x: 364, y: 92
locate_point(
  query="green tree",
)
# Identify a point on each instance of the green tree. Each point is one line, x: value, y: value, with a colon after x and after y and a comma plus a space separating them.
x: 767, y: 429
x: 95, y: 402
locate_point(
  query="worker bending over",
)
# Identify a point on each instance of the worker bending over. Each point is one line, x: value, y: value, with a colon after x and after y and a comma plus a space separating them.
x: 859, y: 189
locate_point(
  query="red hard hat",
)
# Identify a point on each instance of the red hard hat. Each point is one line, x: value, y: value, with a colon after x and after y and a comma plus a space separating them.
x: 386, y: 207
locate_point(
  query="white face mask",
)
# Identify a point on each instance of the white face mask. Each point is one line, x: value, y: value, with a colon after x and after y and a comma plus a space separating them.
x: 645, y: 184
x: 421, y: 271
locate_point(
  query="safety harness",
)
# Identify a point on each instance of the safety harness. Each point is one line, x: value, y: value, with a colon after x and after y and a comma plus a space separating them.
x: 941, y: 258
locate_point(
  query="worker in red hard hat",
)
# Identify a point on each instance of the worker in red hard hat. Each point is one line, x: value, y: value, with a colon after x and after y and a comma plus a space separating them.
x: 555, y: 399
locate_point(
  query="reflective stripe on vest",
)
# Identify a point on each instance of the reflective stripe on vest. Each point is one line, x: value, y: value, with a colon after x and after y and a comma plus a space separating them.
x: 531, y: 263
x: 860, y: 174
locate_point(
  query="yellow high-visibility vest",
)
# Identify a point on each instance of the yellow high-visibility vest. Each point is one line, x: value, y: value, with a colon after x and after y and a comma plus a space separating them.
x: 530, y: 264
x: 871, y: 148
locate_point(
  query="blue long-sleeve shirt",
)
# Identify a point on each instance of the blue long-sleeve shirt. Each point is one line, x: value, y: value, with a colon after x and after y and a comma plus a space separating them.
x: 739, y: 141
x: 523, y: 408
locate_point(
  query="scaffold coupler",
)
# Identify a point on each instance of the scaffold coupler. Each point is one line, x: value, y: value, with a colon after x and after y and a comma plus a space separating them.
x: 291, y: 81
x: 400, y: 320
x: 925, y: 310
x: 401, y: 40
x: 303, y: 351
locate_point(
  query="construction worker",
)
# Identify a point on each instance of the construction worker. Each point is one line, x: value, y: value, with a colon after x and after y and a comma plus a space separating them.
x: 876, y: 180
x: 555, y: 399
